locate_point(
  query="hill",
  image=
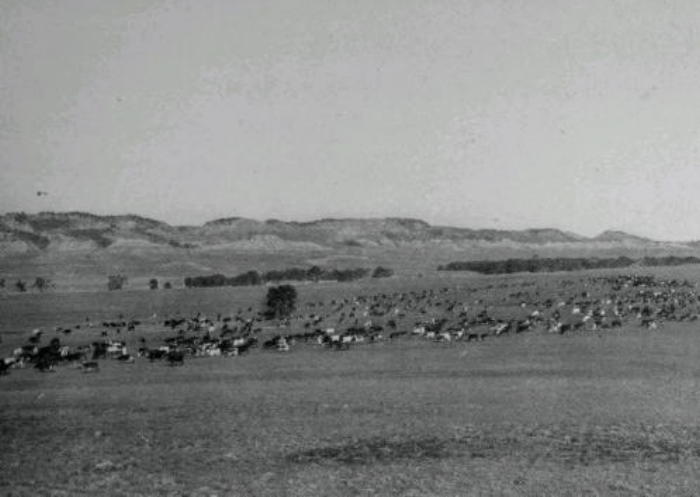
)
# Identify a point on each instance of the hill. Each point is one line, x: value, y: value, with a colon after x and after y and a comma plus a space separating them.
x: 76, y: 247
x: 49, y: 231
x: 621, y: 237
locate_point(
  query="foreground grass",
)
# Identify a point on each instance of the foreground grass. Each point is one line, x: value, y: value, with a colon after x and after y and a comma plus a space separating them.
x: 526, y: 415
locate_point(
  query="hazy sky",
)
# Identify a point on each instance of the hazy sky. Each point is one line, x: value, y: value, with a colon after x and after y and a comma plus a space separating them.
x: 582, y: 115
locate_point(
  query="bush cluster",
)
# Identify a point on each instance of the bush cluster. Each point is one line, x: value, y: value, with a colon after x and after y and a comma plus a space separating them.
x: 314, y: 273
x: 540, y: 265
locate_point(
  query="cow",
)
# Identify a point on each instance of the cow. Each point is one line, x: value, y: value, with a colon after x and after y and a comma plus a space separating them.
x: 116, y: 349
x: 155, y: 354
x: 126, y: 358
x: 99, y: 350
x: 176, y: 358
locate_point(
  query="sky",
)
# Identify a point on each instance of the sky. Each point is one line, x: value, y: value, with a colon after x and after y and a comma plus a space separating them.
x: 511, y: 114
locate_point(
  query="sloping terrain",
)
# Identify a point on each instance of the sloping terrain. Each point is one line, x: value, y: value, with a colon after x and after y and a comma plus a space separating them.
x: 80, y: 249
x: 20, y: 232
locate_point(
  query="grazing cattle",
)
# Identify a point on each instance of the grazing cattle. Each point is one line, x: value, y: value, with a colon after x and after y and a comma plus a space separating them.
x: 176, y: 358
x: 99, y: 350
x: 116, y: 349
x: 155, y: 354
x: 419, y: 330
x: 649, y: 323
x: 271, y: 343
x: 282, y: 345
x: 78, y: 355
x: 45, y: 364
x: 608, y: 302
x: 46, y: 358
x: 500, y: 328
x: 213, y: 352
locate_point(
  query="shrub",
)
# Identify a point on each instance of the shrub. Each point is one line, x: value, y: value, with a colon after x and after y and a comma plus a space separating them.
x: 116, y: 281
x: 248, y: 278
x: 536, y: 265
x: 41, y: 284
x: 382, y: 272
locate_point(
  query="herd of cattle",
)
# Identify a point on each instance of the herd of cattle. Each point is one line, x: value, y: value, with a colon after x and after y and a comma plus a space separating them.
x: 433, y: 315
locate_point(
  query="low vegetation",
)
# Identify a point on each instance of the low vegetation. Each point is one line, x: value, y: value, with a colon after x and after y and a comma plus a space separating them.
x: 92, y: 235
x: 542, y: 265
x: 116, y: 281
x: 599, y: 409
x: 382, y: 272
x: 314, y: 273
x: 40, y: 284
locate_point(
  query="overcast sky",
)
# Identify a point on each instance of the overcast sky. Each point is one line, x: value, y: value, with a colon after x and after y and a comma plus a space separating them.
x: 582, y: 115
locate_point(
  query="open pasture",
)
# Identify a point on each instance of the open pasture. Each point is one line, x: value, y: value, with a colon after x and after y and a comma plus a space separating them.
x: 614, y: 412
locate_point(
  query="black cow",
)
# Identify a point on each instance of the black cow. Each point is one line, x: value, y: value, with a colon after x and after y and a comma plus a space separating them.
x: 155, y: 354
x: 99, y: 350
x: 176, y: 358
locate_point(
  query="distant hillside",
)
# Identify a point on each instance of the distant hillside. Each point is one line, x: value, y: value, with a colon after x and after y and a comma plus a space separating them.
x: 80, y: 231
x: 620, y: 237
x: 77, y: 250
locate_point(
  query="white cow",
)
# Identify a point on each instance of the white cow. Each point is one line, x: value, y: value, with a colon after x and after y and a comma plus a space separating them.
x: 419, y: 330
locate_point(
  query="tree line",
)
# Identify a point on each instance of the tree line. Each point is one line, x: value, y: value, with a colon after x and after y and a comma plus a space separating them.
x: 40, y: 284
x: 314, y: 273
x: 542, y: 265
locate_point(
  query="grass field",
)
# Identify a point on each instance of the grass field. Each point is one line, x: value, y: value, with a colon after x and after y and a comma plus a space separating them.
x: 531, y: 414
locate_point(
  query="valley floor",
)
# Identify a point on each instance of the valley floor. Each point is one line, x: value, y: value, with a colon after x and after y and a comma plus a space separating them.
x: 527, y: 415
x: 534, y: 414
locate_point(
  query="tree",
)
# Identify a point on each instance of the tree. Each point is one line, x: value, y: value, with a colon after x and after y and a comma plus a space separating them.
x: 116, y: 281
x: 167, y: 285
x: 41, y: 284
x: 245, y: 279
x: 21, y: 286
x: 315, y: 273
x: 2, y: 282
x: 153, y: 284
x: 280, y: 301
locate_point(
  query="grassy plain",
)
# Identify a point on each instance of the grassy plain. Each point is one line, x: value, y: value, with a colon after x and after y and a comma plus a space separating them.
x: 533, y: 414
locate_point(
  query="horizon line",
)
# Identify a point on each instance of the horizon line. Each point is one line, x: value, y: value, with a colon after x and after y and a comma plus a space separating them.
x: 348, y: 218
